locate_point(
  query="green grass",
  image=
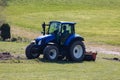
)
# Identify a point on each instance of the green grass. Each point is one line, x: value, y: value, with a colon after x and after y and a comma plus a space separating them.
x: 37, y: 70
x: 13, y: 47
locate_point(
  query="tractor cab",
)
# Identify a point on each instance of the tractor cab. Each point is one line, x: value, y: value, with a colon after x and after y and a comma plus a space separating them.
x: 60, y: 29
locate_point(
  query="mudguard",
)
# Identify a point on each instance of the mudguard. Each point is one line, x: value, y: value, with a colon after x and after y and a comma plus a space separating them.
x: 73, y: 37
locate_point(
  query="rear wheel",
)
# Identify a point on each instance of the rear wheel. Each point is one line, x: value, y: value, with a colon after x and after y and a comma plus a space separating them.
x: 51, y: 52
x: 32, y: 52
x: 77, y: 50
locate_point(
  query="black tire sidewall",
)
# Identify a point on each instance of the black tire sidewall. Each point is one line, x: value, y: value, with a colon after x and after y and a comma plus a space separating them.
x: 29, y: 53
x: 46, y: 52
x: 72, y: 57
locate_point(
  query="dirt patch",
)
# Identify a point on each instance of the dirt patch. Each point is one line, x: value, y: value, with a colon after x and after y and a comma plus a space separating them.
x: 6, y: 56
x: 106, y: 49
x: 9, y: 56
x: 103, y: 50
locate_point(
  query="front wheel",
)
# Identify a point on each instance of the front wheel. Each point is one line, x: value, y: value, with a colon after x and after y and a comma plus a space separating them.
x: 77, y: 50
x: 32, y: 52
x: 51, y: 52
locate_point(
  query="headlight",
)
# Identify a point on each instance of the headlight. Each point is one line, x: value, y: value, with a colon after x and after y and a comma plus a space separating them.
x: 33, y: 41
x: 39, y: 43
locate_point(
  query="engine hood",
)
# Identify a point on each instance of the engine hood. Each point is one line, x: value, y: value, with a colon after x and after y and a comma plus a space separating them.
x: 45, y: 38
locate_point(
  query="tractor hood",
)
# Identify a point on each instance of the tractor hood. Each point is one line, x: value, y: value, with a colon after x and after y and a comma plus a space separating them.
x: 44, y: 39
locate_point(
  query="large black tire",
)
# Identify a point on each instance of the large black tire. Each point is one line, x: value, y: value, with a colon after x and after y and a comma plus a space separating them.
x: 51, y: 53
x: 32, y: 52
x: 77, y: 51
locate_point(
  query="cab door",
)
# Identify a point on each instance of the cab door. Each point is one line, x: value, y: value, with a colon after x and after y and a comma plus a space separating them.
x: 65, y: 33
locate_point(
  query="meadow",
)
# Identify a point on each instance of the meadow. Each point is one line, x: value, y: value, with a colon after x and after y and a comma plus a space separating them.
x: 98, y: 21
x: 104, y: 68
x: 37, y: 70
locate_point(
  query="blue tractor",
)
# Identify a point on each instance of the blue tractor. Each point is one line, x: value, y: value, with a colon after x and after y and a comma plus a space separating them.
x: 58, y: 41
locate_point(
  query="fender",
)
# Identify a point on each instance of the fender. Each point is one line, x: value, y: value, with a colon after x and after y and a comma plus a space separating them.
x: 73, y: 37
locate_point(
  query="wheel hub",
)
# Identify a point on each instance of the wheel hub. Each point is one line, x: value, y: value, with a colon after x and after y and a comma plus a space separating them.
x: 77, y: 51
x: 52, y: 54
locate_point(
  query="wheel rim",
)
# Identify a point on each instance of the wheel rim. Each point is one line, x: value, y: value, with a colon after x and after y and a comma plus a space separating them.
x: 77, y: 51
x: 52, y: 54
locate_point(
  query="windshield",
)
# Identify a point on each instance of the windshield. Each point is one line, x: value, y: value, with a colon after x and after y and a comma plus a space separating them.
x: 54, y: 27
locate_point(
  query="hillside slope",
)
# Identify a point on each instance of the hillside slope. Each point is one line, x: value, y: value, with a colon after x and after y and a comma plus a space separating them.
x: 97, y: 20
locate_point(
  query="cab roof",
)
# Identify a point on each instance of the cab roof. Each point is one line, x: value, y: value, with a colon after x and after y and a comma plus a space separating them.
x: 64, y: 22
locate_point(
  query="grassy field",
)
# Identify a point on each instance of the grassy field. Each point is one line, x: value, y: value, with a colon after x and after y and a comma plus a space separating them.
x: 98, y: 21
x: 102, y: 69
x: 60, y: 71
x: 13, y: 47
x: 19, y: 69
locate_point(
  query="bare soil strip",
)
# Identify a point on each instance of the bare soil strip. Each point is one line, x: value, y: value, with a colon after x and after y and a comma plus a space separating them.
x: 106, y: 49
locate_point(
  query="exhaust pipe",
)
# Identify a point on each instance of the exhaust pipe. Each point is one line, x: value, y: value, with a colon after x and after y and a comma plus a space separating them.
x: 43, y: 26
